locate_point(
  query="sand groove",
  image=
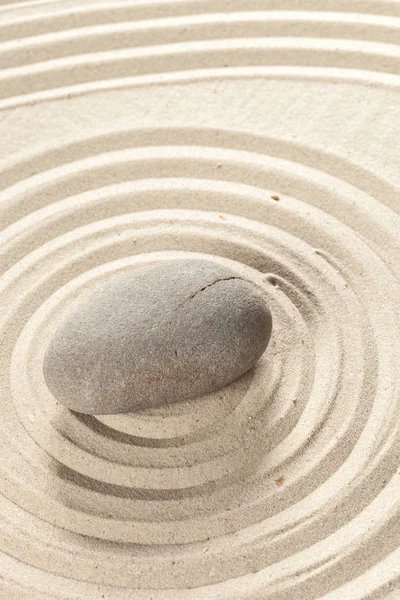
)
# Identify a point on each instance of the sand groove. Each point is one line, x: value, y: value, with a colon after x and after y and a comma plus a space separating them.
x: 262, y: 139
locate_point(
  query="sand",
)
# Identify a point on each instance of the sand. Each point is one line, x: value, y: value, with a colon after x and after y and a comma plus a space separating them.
x: 136, y: 132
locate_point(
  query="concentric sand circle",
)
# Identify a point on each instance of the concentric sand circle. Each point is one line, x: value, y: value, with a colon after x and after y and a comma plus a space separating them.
x: 134, y: 133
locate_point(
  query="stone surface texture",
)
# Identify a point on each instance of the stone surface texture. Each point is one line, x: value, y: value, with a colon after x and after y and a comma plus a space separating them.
x: 157, y: 334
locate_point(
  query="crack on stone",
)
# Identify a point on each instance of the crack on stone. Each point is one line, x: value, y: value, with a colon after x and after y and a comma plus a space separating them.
x: 207, y: 286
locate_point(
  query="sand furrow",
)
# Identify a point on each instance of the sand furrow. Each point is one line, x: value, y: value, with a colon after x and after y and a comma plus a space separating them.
x: 264, y: 140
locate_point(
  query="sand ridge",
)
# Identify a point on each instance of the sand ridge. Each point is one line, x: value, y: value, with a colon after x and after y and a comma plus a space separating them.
x: 132, y: 133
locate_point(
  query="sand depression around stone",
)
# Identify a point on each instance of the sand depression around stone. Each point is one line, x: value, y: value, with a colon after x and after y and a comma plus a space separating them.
x: 157, y: 334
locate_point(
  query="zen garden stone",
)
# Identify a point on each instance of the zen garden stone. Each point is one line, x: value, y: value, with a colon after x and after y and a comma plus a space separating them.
x: 157, y: 334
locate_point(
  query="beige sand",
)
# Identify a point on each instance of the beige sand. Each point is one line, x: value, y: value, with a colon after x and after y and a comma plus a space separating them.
x: 137, y: 131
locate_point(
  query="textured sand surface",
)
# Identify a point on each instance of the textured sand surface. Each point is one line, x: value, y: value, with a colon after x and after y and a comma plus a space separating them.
x: 134, y: 132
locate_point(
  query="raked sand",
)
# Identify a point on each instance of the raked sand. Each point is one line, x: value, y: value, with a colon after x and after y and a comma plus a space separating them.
x: 263, y: 136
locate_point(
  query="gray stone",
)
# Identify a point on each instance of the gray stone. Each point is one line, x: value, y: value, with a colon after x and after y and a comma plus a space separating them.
x: 157, y: 334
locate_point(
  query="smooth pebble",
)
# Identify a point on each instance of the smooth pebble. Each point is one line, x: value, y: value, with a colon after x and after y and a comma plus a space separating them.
x: 157, y: 334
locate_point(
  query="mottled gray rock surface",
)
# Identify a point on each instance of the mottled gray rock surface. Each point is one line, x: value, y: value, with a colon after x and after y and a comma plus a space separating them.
x: 157, y: 334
